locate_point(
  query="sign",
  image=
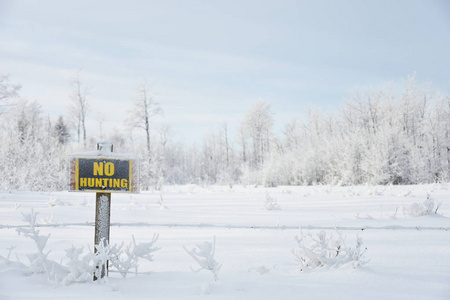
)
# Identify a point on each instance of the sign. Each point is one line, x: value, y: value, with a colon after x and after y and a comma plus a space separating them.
x: 104, y: 174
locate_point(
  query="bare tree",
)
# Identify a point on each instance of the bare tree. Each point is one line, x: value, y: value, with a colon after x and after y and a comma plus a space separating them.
x: 100, y: 119
x: 144, y: 109
x: 165, y: 133
x: 79, y: 106
x: 227, y: 146
x: 243, y: 141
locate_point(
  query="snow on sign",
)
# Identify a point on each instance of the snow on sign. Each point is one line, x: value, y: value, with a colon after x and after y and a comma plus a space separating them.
x: 104, y: 174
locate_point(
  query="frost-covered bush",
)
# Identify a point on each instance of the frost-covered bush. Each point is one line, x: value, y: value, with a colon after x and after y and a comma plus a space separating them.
x: 81, y: 265
x: 324, y: 250
x: 124, y: 259
x: 204, y: 256
x: 426, y: 208
x: 39, y: 262
x: 59, y: 202
x: 270, y: 203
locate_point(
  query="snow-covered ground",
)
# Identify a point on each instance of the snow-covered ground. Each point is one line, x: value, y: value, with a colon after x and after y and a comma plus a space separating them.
x: 254, y: 228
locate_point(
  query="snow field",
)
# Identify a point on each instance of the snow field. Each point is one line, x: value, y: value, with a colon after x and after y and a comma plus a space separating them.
x: 409, y: 257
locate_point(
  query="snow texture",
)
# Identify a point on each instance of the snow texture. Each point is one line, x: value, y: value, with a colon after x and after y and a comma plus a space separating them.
x: 406, y: 257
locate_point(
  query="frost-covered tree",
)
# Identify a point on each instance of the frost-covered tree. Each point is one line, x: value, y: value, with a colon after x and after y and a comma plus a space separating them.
x: 61, y: 131
x: 390, y: 135
x: 440, y: 127
x: 30, y: 155
x: 8, y: 92
x: 396, y: 134
x: 257, y: 128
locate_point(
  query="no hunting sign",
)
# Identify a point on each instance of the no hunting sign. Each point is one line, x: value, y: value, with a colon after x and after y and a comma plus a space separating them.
x: 104, y: 174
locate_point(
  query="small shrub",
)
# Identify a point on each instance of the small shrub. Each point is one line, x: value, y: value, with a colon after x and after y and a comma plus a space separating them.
x: 81, y: 266
x: 426, y: 208
x: 125, y: 259
x: 271, y: 203
x: 323, y: 250
x: 204, y: 256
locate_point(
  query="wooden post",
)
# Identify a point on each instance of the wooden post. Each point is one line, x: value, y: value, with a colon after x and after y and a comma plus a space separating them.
x: 102, y: 224
x: 102, y: 217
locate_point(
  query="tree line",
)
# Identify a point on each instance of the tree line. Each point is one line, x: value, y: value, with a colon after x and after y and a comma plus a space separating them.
x: 397, y: 134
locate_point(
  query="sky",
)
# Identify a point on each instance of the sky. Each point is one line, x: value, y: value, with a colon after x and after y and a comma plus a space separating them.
x: 208, y: 61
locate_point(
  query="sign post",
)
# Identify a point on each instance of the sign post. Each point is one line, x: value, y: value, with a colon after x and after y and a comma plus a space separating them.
x: 102, y: 224
x: 103, y: 172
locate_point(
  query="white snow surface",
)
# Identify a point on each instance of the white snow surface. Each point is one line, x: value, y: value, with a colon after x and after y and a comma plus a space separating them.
x: 409, y: 256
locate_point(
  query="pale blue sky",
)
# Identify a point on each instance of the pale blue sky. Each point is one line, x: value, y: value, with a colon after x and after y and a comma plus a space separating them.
x: 208, y: 61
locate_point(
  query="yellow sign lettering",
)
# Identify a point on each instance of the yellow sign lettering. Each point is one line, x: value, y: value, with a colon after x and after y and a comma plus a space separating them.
x: 124, y: 183
x: 98, y: 168
x: 109, y: 169
x: 103, y: 183
x: 116, y: 183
